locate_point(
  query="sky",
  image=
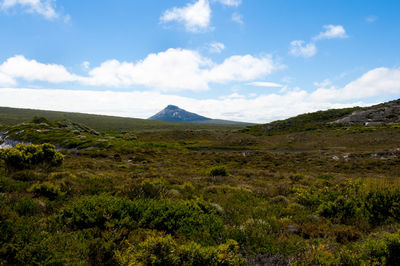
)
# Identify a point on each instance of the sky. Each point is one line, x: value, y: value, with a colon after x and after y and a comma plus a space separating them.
x: 244, y: 60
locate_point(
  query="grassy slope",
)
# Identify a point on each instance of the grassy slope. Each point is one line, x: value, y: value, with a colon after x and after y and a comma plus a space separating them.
x: 11, y: 116
x: 304, y: 122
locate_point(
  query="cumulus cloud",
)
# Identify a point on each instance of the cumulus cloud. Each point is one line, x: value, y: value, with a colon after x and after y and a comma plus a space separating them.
x: 195, y: 16
x: 31, y: 70
x: 332, y: 32
x: 300, y: 48
x: 44, y: 8
x: 238, y: 18
x: 170, y: 70
x: 241, y: 68
x: 303, y: 49
x: 180, y: 69
x: 216, y: 47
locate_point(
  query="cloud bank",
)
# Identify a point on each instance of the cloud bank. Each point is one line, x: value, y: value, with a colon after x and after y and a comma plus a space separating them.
x: 170, y: 70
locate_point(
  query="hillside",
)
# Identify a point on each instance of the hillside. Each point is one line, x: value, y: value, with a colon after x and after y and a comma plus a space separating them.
x: 385, y: 113
x: 382, y: 114
x: 12, y: 116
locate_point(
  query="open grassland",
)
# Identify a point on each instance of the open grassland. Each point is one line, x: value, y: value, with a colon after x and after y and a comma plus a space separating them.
x: 202, y: 197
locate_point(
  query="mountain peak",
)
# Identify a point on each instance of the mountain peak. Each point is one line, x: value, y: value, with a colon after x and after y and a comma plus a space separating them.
x: 172, y: 107
x: 173, y: 113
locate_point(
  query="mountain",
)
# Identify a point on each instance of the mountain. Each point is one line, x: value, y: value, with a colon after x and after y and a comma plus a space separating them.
x: 382, y: 114
x: 173, y: 113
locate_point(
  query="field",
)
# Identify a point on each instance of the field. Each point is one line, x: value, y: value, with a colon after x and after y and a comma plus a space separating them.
x: 149, y: 194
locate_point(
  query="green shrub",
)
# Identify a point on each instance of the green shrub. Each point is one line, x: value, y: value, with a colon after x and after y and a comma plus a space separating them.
x: 26, y: 206
x: 163, y: 250
x: 39, y: 120
x: 153, y: 188
x: 376, y: 250
x: 46, y: 189
x: 189, y: 218
x: 383, y: 203
x: 28, y: 156
x: 218, y: 171
x: 99, y: 211
x: 342, y: 209
x: 185, y: 217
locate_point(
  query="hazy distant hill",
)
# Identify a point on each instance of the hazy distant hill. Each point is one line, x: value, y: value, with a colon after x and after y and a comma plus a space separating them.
x: 381, y: 114
x: 173, y: 113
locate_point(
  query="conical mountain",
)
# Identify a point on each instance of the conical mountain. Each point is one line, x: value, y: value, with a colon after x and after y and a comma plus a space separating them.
x: 173, y: 113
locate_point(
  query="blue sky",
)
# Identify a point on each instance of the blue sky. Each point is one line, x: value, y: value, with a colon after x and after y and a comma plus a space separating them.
x: 247, y: 60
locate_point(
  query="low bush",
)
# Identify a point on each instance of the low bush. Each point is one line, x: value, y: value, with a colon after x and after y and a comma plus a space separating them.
x: 218, y: 171
x: 47, y: 189
x: 164, y: 250
x: 189, y: 218
x: 29, y: 156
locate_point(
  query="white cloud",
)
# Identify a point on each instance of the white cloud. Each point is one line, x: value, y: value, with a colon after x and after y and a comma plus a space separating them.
x: 332, y: 32
x: 238, y: 18
x: 195, y: 16
x: 44, y: 8
x: 230, y: 2
x: 31, y: 70
x: 324, y: 84
x: 376, y: 82
x: 265, y: 84
x: 85, y: 65
x: 241, y: 68
x: 170, y: 70
x: 216, y: 47
x: 303, y: 49
x: 180, y: 69
x: 6, y: 80
x: 300, y: 48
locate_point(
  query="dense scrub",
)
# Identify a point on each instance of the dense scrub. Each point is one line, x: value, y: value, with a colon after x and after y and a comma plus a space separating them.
x: 199, y: 198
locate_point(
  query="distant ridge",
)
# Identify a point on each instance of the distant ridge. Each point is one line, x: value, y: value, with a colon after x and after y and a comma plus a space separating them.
x: 173, y: 113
